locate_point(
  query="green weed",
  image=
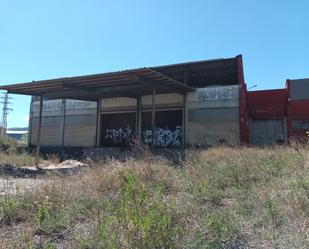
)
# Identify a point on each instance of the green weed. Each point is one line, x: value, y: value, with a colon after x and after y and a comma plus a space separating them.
x: 8, y: 210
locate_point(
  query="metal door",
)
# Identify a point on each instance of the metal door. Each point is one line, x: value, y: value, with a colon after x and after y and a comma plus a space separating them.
x: 266, y: 132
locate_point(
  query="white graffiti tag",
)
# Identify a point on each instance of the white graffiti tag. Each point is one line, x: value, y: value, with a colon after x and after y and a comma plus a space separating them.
x: 164, y: 137
x: 120, y: 136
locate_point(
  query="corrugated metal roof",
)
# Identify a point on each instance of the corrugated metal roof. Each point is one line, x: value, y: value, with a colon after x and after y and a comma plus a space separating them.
x: 179, y: 77
x: 131, y: 82
x: 89, y: 77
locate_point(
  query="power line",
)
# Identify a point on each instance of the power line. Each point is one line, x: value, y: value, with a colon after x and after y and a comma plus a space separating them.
x: 5, y: 111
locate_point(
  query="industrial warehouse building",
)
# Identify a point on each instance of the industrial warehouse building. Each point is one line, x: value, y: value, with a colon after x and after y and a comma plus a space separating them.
x: 279, y: 116
x: 198, y: 103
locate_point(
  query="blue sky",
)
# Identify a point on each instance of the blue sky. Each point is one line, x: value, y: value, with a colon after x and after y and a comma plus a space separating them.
x: 57, y: 38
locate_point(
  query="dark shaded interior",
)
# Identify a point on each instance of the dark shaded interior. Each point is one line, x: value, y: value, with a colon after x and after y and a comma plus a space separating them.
x: 117, y: 129
x: 204, y: 73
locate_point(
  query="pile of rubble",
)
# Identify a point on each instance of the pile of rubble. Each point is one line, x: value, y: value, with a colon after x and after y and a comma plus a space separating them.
x: 67, y: 167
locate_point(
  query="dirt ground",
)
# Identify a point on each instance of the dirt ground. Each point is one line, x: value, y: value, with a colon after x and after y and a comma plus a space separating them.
x: 11, y: 186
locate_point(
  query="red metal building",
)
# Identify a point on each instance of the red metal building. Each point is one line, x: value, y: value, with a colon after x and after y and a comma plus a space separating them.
x: 281, y: 115
x: 298, y: 108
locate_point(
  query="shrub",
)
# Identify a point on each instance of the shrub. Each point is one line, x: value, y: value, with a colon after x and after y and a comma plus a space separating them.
x: 272, y: 211
x: 8, y: 210
x: 8, y: 144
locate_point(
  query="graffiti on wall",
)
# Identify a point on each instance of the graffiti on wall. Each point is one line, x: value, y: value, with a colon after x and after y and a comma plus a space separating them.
x: 216, y: 93
x: 120, y: 136
x: 164, y: 137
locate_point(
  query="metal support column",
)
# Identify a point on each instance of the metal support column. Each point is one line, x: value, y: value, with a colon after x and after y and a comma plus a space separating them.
x: 64, y: 107
x: 139, y: 119
x: 98, y: 125
x: 153, y: 119
x: 185, y: 120
x: 38, y: 142
x: 30, y: 122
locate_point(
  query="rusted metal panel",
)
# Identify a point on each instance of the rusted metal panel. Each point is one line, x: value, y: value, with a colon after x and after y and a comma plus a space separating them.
x: 298, y: 111
x: 267, y: 103
x: 298, y: 108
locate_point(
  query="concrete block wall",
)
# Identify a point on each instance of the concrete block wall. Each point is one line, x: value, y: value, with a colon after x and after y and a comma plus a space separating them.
x: 124, y: 104
x: 213, y: 116
x: 80, y: 123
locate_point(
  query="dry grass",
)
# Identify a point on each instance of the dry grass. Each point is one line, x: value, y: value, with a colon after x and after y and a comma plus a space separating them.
x: 10, y: 154
x: 14, y: 152
x: 217, y: 198
x: 17, y: 159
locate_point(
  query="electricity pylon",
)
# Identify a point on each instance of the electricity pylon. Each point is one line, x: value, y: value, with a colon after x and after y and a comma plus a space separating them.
x: 5, y: 111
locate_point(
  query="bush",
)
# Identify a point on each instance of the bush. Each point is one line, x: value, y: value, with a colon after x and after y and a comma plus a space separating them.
x: 8, y: 211
x: 8, y: 144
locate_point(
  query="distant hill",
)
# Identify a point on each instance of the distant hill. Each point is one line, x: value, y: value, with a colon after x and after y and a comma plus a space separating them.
x: 18, y: 129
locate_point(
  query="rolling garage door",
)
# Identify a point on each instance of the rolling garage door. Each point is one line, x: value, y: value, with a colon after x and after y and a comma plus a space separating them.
x: 266, y: 132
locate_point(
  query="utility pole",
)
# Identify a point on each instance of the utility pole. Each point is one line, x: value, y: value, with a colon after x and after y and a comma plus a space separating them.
x: 5, y: 111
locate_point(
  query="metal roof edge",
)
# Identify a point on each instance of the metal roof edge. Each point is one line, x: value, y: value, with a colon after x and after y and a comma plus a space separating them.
x: 3, y: 87
x: 193, y: 62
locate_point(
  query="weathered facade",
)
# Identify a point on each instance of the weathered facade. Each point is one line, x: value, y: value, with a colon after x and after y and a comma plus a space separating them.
x: 213, y: 117
x: 208, y: 115
x: 281, y: 115
x: 198, y: 103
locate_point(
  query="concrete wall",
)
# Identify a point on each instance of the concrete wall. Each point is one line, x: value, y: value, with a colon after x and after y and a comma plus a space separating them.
x: 213, y: 116
x: 80, y: 123
x: 129, y: 104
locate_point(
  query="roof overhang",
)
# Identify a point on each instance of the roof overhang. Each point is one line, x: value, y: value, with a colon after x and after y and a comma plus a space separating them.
x: 129, y: 83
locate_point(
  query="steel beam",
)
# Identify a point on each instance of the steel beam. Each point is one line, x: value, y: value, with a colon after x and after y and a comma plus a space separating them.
x: 153, y: 119
x: 98, y: 125
x: 185, y: 120
x: 30, y: 123
x: 139, y: 119
x: 37, y: 158
x: 64, y: 107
